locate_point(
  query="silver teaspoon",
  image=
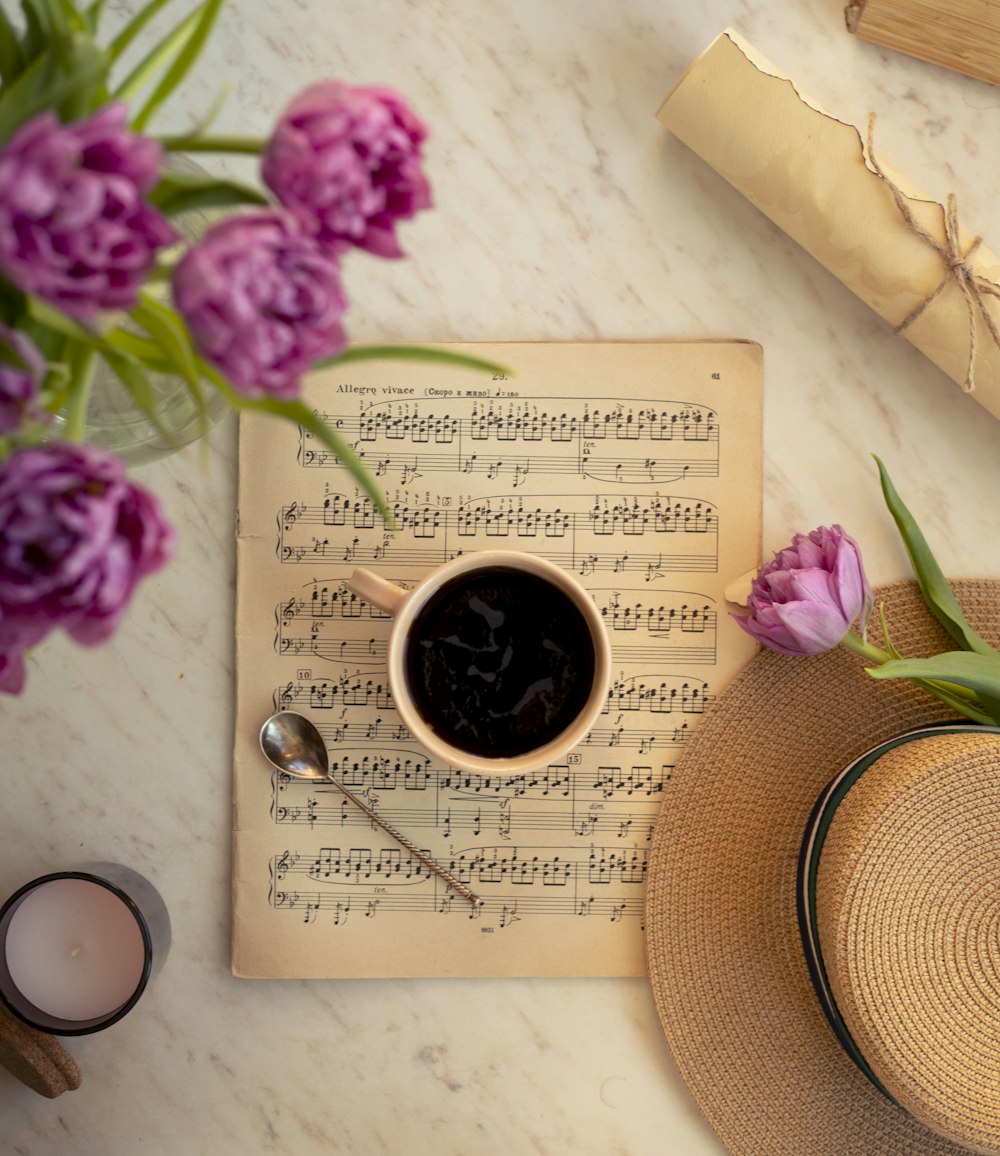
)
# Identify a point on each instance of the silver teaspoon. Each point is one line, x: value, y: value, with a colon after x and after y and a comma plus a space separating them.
x: 292, y: 743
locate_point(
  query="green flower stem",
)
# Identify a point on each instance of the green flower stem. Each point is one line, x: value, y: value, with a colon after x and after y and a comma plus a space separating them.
x: 79, y: 398
x: 253, y: 145
x: 859, y: 645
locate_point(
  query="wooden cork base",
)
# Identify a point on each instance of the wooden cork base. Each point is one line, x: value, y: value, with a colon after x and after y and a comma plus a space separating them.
x: 37, y: 1059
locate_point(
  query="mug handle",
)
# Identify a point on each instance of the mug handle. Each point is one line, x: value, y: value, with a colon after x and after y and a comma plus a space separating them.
x: 387, y: 596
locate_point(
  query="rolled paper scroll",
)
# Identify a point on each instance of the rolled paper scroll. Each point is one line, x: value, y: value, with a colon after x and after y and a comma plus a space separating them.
x: 827, y: 186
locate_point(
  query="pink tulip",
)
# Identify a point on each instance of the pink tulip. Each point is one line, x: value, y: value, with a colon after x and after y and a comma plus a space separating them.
x: 74, y: 225
x: 76, y: 536
x: 262, y: 300
x: 347, y: 163
x: 810, y: 595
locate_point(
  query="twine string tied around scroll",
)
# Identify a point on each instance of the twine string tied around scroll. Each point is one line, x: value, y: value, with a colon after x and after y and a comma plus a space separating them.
x: 975, y: 288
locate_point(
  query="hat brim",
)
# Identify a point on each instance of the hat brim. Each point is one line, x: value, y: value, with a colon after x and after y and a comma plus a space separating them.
x: 728, y: 973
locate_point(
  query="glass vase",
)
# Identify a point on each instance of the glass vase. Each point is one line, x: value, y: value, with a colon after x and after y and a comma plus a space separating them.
x: 115, y: 423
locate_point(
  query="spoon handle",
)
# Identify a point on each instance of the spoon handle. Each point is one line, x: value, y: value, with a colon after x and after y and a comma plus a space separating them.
x: 455, y: 884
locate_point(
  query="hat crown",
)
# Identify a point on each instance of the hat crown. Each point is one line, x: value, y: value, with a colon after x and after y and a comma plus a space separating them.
x: 907, y: 908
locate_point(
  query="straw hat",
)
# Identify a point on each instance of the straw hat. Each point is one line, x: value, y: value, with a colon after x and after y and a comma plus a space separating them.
x: 898, y: 868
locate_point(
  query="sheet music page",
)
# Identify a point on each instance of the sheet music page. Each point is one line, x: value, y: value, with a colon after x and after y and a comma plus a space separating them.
x: 637, y: 466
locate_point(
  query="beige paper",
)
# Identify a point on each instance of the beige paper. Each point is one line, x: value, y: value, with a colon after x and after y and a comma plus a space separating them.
x: 635, y: 466
x: 812, y: 175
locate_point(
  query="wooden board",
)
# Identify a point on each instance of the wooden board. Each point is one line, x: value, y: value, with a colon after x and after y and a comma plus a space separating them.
x: 959, y: 34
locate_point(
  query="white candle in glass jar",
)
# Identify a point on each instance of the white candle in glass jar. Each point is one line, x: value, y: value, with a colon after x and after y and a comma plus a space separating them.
x: 74, y: 949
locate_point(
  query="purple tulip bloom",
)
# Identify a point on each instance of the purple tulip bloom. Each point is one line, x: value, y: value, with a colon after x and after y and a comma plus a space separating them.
x: 75, y: 537
x: 263, y: 301
x: 19, y: 383
x: 12, y: 669
x: 74, y: 227
x: 807, y: 598
x: 346, y: 162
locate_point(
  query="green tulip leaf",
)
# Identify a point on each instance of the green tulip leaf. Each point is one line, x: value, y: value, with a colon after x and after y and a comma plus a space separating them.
x: 977, y: 672
x: 140, y: 349
x: 884, y: 625
x: 136, y: 381
x: 134, y: 378
x: 92, y: 15
x: 11, y: 58
x: 182, y: 63
x: 300, y: 414
x: 134, y: 26
x: 414, y: 353
x: 177, y: 193
x: 158, y: 57
x: 169, y: 332
x: 954, y: 700
x: 42, y: 85
x: 934, y: 587
x: 36, y: 30
x: 64, y: 17
x: 54, y: 319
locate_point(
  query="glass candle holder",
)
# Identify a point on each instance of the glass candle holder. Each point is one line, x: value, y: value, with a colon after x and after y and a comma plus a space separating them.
x: 78, y: 948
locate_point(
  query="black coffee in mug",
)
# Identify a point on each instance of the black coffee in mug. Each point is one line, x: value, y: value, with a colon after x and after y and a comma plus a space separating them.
x: 499, y: 662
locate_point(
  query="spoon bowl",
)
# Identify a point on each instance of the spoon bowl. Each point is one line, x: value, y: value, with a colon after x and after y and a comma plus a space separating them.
x: 292, y: 743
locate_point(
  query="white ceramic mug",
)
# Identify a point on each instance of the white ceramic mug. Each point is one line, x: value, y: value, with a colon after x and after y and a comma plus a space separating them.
x: 552, y: 639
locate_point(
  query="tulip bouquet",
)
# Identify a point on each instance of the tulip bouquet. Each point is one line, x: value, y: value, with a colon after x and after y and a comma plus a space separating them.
x: 89, y: 241
x: 814, y: 595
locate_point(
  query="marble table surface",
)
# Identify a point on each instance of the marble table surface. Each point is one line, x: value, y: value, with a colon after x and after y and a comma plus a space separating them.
x: 563, y: 211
